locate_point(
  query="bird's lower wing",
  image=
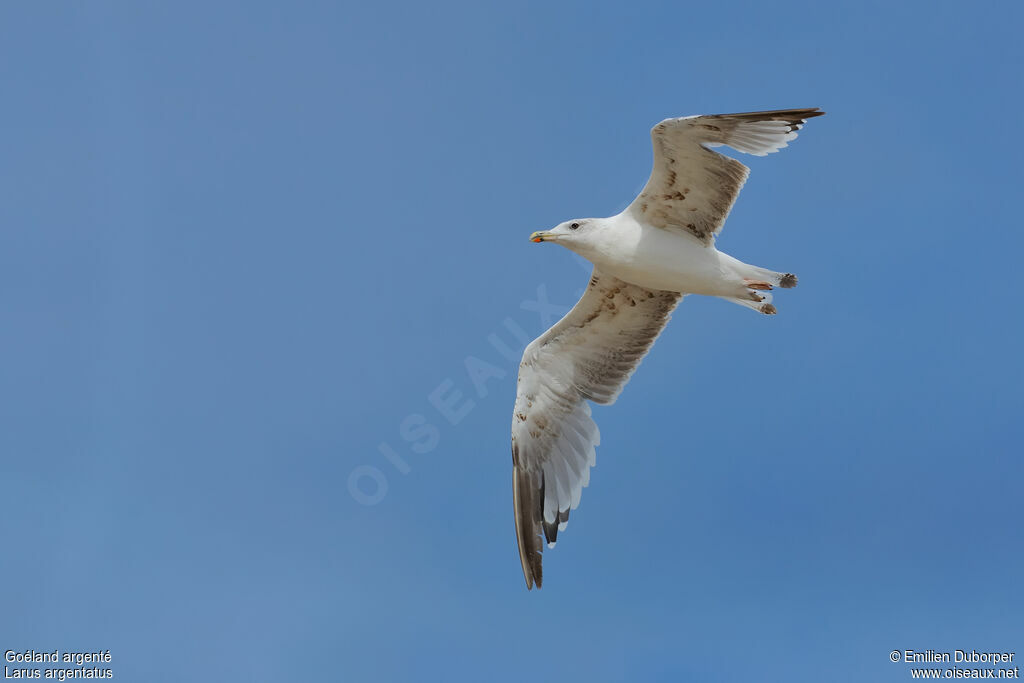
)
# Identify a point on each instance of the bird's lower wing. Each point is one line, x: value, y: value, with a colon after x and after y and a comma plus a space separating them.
x: 588, y: 355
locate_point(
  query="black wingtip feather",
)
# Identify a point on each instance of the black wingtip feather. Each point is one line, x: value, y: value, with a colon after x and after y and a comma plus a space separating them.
x: 792, y: 116
x: 551, y: 531
x: 528, y: 516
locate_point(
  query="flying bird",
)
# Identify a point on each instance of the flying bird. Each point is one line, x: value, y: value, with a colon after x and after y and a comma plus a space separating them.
x: 660, y: 248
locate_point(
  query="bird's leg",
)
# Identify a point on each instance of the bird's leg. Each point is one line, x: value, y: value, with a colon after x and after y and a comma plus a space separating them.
x: 757, y: 284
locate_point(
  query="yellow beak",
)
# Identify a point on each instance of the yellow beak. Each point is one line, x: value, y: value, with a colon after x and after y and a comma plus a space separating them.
x: 538, y: 236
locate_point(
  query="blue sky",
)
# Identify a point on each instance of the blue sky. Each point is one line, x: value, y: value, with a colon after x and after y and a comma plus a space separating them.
x: 242, y: 244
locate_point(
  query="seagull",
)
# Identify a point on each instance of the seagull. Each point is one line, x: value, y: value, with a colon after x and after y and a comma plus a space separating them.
x: 660, y: 248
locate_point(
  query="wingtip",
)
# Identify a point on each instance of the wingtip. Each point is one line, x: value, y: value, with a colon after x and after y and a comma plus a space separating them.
x: 527, y: 528
x: 794, y: 115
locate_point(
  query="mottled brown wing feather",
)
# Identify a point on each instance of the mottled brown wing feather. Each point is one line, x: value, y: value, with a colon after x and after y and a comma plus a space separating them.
x: 692, y: 188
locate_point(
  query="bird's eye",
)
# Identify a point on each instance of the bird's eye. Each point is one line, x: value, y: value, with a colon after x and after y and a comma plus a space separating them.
x: 574, y: 226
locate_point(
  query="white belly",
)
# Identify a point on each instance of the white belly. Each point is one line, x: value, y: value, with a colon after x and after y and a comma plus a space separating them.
x: 667, y: 260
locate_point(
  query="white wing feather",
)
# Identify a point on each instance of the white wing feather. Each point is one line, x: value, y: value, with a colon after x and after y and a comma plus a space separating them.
x: 588, y: 355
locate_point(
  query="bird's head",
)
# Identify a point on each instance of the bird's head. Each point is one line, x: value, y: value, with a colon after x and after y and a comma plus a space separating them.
x: 578, y: 234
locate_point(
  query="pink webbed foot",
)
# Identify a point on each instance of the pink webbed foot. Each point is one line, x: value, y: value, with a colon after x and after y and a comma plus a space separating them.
x: 757, y: 284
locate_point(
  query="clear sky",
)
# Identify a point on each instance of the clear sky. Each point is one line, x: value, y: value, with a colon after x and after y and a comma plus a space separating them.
x: 251, y: 253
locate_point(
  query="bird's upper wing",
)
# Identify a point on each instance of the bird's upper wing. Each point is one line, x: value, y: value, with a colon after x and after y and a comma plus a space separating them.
x: 588, y: 355
x: 692, y: 188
